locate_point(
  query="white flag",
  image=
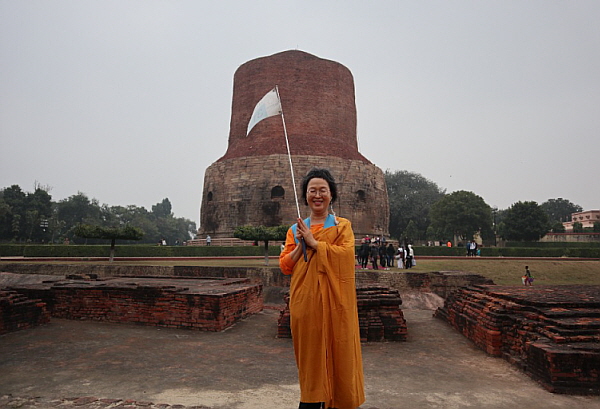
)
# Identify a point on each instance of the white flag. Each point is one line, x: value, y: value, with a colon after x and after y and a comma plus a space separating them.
x: 268, y: 106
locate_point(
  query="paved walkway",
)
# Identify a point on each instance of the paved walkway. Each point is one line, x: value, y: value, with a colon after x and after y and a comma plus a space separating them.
x: 80, y: 364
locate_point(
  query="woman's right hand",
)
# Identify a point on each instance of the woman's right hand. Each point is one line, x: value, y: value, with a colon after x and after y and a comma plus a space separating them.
x: 303, y: 232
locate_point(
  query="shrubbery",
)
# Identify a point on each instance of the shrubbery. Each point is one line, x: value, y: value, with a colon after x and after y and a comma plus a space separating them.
x: 554, y: 251
x: 550, y: 244
x: 245, y: 251
x: 133, y: 251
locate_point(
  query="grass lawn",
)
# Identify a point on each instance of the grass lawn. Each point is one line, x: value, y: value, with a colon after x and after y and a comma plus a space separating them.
x: 503, y: 272
x: 509, y: 272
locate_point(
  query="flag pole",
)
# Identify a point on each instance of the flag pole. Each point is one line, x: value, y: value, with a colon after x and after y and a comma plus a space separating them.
x: 287, y: 144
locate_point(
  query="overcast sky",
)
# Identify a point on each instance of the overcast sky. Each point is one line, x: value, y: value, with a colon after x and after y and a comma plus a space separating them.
x: 130, y: 101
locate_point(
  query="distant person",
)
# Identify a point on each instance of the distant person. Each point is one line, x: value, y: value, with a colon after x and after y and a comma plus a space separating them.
x: 449, y: 244
x: 363, y: 253
x: 383, y: 256
x: 208, y: 239
x: 400, y: 257
x: 527, y: 277
x: 410, y: 257
x: 374, y: 256
x: 390, y: 254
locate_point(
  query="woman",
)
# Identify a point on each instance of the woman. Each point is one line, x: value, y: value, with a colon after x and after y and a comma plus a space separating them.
x: 323, y: 309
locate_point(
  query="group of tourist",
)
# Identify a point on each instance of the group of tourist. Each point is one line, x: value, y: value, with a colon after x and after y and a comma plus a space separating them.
x: 472, y: 249
x: 376, y: 251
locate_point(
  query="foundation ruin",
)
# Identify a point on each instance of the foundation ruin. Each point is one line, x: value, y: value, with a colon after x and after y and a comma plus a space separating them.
x: 188, y: 303
x: 552, y: 333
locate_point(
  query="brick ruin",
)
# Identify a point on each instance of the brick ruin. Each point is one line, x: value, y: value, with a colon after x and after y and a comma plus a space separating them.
x: 251, y: 184
x: 188, y: 303
x: 552, y: 333
x: 18, y: 312
x: 379, y: 315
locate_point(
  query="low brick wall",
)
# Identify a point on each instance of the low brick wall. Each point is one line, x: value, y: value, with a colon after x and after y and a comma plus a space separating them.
x: 550, y: 332
x: 19, y: 312
x: 99, y: 270
x: 379, y: 315
x: 268, y: 276
x: 441, y: 283
x: 201, y: 304
x: 437, y: 282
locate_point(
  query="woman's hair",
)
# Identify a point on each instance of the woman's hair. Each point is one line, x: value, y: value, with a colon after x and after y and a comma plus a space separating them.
x: 320, y: 173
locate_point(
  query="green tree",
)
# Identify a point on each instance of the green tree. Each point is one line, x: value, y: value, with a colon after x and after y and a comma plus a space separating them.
x: 79, y: 209
x: 411, y: 233
x: 162, y: 209
x: 596, y: 228
x: 184, y: 228
x: 5, y: 219
x: 577, y: 227
x: 38, y: 207
x: 14, y: 220
x: 169, y: 227
x: 525, y: 221
x: 559, y: 210
x: 33, y: 216
x: 558, y: 227
x: 410, y: 196
x: 24, y: 216
x: 108, y: 233
x: 116, y: 216
x: 262, y: 233
x: 461, y: 214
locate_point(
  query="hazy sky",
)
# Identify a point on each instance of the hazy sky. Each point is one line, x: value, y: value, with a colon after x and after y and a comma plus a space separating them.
x: 130, y: 101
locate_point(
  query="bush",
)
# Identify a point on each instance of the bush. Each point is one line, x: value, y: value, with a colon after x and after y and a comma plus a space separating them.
x: 521, y: 252
x: 583, y: 252
x: 440, y: 251
x: 561, y: 244
x: 83, y: 251
x: 11, y: 250
x: 590, y: 252
x: 133, y: 251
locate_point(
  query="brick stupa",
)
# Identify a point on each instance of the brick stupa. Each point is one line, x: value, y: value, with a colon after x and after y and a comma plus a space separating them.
x: 251, y: 184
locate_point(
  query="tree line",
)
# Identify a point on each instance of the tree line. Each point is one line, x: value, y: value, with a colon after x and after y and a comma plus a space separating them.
x: 33, y: 217
x: 421, y: 210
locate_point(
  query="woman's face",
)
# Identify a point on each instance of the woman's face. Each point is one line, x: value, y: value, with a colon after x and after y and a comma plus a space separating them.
x: 318, y: 195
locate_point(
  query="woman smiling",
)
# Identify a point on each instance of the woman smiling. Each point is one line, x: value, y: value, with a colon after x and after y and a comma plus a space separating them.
x: 323, y: 309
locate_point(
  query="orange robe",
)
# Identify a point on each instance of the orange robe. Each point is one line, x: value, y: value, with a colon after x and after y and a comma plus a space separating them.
x: 324, y: 316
